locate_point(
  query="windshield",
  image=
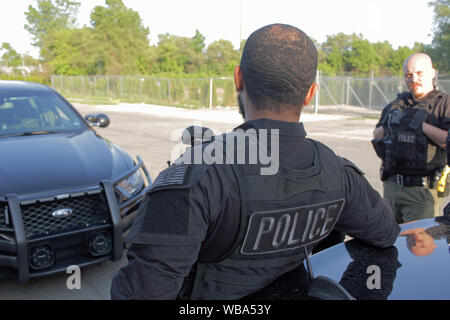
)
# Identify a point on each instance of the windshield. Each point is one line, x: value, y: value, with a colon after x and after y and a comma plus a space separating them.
x: 36, y: 112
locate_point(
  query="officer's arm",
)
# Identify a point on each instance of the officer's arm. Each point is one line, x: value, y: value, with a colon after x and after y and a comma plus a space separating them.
x: 438, y: 136
x: 166, y: 237
x: 366, y: 216
x: 438, y: 123
x: 378, y: 133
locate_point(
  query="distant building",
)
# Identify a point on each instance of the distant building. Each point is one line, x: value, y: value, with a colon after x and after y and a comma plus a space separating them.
x: 23, y: 70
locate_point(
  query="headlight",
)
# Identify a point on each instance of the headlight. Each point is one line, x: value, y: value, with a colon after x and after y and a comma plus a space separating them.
x: 129, y: 186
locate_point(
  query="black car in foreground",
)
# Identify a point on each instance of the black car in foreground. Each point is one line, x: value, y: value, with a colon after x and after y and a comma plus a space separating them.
x: 67, y: 196
x: 416, y: 267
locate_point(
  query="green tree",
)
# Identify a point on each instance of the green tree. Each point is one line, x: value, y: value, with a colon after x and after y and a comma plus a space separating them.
x: 341, y: 41
x: 440, y: 46
x: 222, y: 58
x: 198, y: 42
x: 332, y: 53
x: 180, y: 55
x: 123, y: 39
x: 11, y: 58
x: 384, y: 52
x: 49, y: 17
x: 395, y: 62
x: 361, y: 58
x: 333, y: 63
x: 74, y: 52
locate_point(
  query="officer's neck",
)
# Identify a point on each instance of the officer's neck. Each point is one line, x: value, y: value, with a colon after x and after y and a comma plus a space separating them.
x: 286, y: 115
x: 422, y: 97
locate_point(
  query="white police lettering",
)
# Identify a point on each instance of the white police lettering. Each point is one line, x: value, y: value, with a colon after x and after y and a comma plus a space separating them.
x: 407, y: 138
x: 274, y: 231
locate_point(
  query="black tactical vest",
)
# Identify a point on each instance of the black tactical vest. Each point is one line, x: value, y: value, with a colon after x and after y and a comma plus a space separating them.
x: 281, y: 214
x: 407, y: 150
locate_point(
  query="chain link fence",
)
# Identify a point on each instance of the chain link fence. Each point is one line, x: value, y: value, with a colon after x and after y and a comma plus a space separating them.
x: 370, y: 94
x: 194, y: 93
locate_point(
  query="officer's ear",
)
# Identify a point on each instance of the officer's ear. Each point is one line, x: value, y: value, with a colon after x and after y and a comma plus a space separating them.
x: 310, y: 94
x: 238, y: 79
x: 433, y: 73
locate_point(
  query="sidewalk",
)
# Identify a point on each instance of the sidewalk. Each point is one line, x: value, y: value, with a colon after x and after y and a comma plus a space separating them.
x: 223, y: 115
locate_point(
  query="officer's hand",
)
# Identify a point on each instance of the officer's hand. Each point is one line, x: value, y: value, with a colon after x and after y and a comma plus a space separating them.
x: 378, y: 133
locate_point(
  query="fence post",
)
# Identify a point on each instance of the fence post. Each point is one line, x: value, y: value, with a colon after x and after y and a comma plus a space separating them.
x: 371, y: 89
x: 121, y: 87
x: 348, y: 91
x: 168, y: 89
x: 316, y: 102
x: 210, y: 93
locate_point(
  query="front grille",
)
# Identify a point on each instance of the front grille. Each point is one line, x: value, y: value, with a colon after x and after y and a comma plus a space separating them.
x: 4, y: 215
x: 87, y: 211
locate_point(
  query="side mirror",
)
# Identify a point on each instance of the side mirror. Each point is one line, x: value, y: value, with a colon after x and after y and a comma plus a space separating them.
x: 97, y: 119
x: 194, y: 135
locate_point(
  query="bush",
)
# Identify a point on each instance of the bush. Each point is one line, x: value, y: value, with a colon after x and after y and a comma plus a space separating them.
x: 34, y: 78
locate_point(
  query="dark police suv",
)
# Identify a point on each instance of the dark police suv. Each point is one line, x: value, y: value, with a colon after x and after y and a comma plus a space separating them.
x: 67, y: 196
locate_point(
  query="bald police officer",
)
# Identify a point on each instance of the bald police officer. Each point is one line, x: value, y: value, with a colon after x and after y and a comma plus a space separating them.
x: 261, y: 196
x: 410, y: 138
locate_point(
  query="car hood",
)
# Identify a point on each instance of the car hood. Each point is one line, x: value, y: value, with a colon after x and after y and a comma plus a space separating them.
x: 51, y: 162
x: 399, y: 272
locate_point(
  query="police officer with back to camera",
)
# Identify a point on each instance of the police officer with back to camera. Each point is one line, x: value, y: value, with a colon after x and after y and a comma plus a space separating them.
x: 410, y: 138
x: 226, y: 229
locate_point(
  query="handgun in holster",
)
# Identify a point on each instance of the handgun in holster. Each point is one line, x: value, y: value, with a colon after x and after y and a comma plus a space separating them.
x: 386, y: 167
x: 378, y: 146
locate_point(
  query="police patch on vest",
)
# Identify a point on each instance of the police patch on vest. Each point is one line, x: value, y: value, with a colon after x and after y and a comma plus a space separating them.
x: 280, y: 230
x: 173, y: 175
x: 406, y: 137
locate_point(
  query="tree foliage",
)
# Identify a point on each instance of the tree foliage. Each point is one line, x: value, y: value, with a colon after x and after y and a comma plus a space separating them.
x: 50, y: 17
x: 122, y: 36
x: 116, y: 43
x: 440, y: 46
x: 10, y: 57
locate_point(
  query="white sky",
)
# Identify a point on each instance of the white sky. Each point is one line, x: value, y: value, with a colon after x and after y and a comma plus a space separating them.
x: 400, y: 22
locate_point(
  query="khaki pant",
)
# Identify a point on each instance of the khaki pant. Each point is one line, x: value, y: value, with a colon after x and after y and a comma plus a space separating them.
x: 412, y: 203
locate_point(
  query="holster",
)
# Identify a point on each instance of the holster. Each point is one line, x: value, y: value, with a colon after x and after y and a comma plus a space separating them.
x: 384, y: 173
x: 378, y: 146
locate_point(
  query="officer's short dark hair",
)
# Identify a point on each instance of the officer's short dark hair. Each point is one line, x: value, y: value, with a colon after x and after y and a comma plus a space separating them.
x: 279, y: 64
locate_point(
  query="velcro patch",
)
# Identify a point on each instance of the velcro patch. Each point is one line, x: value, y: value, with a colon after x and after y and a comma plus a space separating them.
x: 287, y: 229
x: 174, y: 175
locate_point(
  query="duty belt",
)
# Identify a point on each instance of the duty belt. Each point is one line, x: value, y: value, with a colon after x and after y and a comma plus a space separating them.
x: 409, y: 181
